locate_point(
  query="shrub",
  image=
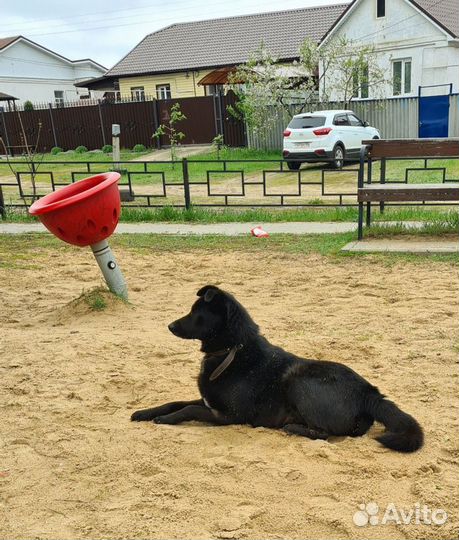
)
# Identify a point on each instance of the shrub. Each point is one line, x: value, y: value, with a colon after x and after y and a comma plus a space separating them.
x: 107, y: 148
x: 139, y: 148
x: 81, y: 149
x: 28, y: 106
x: 56, y: 150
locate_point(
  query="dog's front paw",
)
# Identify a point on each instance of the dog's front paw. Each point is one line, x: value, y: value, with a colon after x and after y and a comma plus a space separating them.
x: 166, y: 419
x: 141, y: 416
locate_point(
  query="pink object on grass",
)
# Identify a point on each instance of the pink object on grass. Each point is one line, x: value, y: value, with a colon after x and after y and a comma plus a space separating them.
x: 259, y: 232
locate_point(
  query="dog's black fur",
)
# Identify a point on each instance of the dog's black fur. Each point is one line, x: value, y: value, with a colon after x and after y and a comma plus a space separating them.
x: 267, y: 386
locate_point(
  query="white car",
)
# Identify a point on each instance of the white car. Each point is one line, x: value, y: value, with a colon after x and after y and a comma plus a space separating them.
x: 333, y: 136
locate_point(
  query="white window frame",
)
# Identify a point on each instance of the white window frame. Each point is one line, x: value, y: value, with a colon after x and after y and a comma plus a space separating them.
x: 59, y: 99
x: 403, y: 86
x: 163, y: 91
x: 138, y: 93
x: 360, y: 83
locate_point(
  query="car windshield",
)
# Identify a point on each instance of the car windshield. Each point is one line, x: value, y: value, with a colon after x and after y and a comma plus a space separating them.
x: 305, y: 122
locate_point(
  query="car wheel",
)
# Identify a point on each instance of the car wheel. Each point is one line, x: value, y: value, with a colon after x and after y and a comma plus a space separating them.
x: 293, y: 165
x: 338, y: 157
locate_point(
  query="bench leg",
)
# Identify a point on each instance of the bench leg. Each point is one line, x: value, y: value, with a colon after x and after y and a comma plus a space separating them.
x: 368, y: 214
x: 360, y: 227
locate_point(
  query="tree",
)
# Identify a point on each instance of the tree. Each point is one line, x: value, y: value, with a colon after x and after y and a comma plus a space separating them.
x: 267, y: 89
x: 352, y: 70
x: 218, y: 143
x: 170, y: 130
x: 31, y: 158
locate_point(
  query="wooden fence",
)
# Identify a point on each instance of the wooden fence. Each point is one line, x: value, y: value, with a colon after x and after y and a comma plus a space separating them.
x: 90, y: 126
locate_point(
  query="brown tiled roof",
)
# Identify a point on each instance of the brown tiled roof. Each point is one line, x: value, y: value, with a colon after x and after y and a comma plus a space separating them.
x: 228, y: 41
x: 444, y: 12
x: 6, y: 41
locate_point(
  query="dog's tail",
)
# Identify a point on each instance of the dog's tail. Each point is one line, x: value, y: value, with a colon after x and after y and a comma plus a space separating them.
x: 403, y: 433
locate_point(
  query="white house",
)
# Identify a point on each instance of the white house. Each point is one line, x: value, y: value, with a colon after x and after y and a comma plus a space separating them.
x: 416, y: 43
x: 29, y: 71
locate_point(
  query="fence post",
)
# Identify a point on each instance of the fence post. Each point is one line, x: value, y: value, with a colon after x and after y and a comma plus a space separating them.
x: 186, y: 183
x: 2, y: 204
x: 156, y: 121
x: 215, y: 114
x: 52, y: 124
x: 101, y: 122
x: 382, y: 180
x: 222, y: 111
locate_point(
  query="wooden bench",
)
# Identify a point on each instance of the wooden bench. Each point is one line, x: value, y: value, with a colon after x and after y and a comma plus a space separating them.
x: 381, y: 192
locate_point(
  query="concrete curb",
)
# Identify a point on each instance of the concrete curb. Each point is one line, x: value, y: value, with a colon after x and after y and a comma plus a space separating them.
x: 226, y: 229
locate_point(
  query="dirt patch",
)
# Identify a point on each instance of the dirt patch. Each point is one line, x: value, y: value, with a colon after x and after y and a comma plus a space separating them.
x: 87, y: 305
x: 73, y: 466
x: 181, y: 152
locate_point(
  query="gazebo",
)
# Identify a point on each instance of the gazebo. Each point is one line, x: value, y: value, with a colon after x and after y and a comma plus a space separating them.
x: 9, y: 99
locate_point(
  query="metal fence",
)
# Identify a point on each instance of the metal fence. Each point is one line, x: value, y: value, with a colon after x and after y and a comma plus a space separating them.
x: 212, y: 183
x: 90, y: 125
x: 82, y: 102
x: 395, y: 118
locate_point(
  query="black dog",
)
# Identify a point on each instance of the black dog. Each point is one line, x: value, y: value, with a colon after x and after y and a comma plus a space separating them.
x: 246, y: 380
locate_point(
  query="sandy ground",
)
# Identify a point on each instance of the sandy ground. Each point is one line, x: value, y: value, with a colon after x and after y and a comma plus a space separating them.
x: 73, y: 466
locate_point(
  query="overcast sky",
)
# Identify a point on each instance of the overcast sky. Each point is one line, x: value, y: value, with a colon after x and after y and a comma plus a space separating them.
x: 106, y: 30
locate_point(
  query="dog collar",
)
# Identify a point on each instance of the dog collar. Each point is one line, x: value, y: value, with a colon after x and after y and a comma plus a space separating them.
x: 226, y: 362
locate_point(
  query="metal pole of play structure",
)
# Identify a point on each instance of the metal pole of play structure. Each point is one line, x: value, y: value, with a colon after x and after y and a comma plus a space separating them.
x: 110, y: 269
x: 116, y: 145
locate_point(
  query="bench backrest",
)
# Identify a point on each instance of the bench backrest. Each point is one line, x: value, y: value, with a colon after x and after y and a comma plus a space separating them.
x: 412, y: 148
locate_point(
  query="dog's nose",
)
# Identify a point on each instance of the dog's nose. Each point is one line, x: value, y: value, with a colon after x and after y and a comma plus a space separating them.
x: 172, y: 327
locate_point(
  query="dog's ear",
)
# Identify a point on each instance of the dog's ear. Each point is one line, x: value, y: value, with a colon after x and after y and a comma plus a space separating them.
x: 208, y: 292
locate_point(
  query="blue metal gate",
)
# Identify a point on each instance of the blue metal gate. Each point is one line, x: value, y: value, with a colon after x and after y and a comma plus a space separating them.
x: 434, y: 113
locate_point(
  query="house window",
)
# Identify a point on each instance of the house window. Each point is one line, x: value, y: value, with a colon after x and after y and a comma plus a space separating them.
x: 360, y: 82
x: 163, y: 91
x: 407, y: 77
x: 380, y: 8
x: 59, y: 98
x: 138, y: 93
x: 401, y: 77
x: 214, y: 89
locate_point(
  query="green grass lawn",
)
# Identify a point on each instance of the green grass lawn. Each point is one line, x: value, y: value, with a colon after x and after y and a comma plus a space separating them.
x: 61, y: 164
x: 225, y: 178
x: 442, y: 217
x: 19, y: 251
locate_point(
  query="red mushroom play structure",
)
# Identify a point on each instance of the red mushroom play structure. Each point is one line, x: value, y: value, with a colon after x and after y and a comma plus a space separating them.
x: 85, y: 214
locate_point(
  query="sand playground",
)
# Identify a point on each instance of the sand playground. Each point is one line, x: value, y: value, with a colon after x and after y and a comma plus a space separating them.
x: 75, y: 364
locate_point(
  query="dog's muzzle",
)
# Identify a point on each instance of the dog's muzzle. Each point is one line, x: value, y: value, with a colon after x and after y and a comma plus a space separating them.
x: 173, y: 327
